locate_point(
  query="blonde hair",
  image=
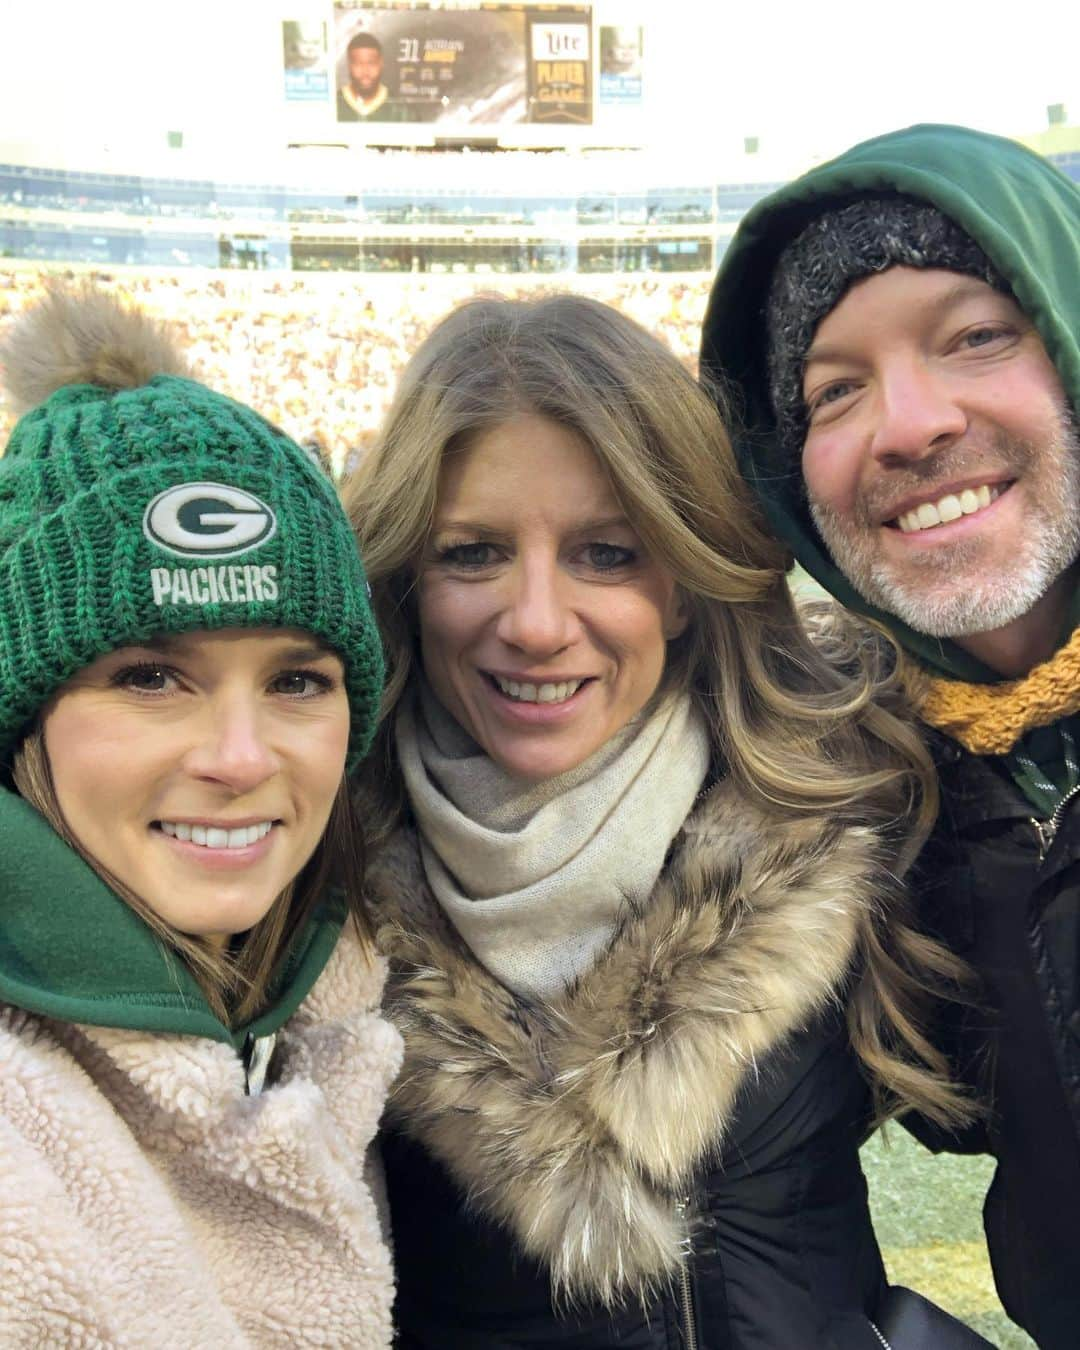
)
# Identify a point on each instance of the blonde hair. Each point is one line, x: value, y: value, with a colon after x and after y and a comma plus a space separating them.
x: 237, y: 982
x: 804, y: 709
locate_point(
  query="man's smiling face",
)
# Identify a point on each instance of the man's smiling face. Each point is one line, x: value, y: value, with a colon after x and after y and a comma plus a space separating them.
x: 941, y: 464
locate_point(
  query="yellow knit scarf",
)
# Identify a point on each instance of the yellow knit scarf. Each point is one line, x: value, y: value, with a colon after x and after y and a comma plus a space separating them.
x: 988, y: 719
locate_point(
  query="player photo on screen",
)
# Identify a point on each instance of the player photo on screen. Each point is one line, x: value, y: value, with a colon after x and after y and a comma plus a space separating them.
x: 407, y: 64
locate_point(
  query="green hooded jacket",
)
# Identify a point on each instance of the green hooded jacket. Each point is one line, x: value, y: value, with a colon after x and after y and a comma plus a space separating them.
x: 72, y: 950
x: 1023, y: 213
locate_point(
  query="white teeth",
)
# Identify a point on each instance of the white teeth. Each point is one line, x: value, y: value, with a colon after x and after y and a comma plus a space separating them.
x: 951, y: 507
x: 212, y: 836
x: 544, y: 693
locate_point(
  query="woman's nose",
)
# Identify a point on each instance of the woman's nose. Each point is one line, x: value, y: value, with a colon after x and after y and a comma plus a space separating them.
x: 231, y: 745
x: 538, y: 616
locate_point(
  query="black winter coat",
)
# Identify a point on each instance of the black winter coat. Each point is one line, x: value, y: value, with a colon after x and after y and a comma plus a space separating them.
x: 552, y: 1167
x: 783, y: 1255
x: 1014, y: 914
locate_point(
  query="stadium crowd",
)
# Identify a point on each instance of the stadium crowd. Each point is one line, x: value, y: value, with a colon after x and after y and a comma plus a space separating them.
x: 321, y: 355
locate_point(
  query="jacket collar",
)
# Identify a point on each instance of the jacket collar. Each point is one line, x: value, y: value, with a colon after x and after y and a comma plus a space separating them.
x: 72, y: 950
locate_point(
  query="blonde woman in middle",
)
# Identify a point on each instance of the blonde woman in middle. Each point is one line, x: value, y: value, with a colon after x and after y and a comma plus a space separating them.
x: 641, y: 835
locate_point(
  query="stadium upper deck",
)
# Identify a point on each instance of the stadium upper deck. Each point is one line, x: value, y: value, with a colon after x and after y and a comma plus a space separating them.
x: 507, y: 218
x: 516, y: 214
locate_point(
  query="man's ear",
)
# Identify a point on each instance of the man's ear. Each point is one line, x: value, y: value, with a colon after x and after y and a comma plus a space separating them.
x: 677, y: 616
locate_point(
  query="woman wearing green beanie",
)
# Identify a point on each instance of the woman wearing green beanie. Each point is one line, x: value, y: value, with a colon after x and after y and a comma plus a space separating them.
x: 192, y: 1062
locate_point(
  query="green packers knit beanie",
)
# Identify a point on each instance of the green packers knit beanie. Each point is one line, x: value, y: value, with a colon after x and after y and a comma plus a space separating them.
x: 136, y: 501
x: 838, y: 248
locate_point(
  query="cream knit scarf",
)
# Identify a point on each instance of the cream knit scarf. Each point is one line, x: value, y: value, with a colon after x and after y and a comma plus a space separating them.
x: 533, y: 875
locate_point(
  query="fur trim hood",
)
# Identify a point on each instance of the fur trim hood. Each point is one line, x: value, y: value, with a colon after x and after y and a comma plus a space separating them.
x: 577, y: 1123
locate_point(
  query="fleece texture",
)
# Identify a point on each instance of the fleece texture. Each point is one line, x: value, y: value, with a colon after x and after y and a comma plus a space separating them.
x: 146, y: 1201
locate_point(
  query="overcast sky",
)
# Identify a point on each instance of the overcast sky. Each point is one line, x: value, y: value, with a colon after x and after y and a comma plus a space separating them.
x: 815, y: 77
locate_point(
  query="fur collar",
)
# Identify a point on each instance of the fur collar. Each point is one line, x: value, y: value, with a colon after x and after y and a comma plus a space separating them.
x: 576, y: 1122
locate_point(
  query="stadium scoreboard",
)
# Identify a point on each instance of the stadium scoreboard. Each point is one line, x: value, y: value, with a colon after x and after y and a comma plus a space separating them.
x: 406, y: 72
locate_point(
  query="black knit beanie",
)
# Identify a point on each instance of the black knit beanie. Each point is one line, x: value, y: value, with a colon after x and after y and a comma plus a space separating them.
x: 834, y: 251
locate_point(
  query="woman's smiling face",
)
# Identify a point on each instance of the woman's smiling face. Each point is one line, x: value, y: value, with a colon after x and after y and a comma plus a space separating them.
x: 200, y: 770
x: 543, y: 621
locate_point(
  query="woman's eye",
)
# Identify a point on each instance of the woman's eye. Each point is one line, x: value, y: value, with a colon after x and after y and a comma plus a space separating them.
x: 607, y: 557
x: 146, y: 679
x: 301, y: 683
x: 467, y: 555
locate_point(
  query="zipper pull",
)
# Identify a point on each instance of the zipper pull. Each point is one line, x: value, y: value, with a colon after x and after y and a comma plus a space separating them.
x: 257, y: 1053
x: 1045, y: 830
x: 682, y: 1211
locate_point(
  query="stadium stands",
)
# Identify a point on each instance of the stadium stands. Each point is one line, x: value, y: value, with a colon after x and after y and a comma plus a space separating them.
x: 317, y: 296
x: 321, y: 354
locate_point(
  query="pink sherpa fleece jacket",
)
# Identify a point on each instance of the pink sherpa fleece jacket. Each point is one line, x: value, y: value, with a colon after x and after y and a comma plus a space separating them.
x: 145, y: 1201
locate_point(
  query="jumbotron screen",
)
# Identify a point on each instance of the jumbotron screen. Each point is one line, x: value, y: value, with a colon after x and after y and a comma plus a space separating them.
x: 478, y: 65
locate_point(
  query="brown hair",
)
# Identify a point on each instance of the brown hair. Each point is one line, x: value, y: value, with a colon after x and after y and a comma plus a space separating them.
x: 803, y: 706
x: 236, y: 983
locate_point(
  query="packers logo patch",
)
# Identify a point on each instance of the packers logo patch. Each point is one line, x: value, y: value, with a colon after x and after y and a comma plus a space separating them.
x: 208, y: 520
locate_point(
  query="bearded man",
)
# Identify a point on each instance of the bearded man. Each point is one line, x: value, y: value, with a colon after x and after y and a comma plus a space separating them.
x: 899, y: 332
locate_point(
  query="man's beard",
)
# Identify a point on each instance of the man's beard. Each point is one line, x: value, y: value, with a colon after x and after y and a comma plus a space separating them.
x: 951, y: 591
